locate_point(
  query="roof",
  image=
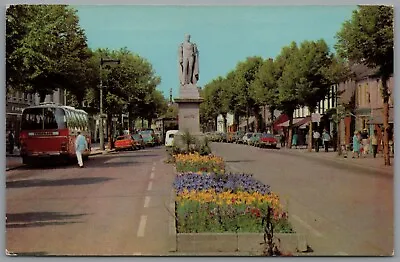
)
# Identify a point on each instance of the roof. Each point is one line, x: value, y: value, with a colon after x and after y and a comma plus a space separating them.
x: 362, y: 71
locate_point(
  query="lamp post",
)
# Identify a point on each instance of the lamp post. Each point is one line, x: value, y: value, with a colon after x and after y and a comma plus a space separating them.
x: 104, y: 62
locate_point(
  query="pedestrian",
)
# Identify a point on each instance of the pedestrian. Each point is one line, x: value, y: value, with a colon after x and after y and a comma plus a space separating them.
x: 11, y: 142
x: 326, y: 138
x: 316, y: 137
x: 365, y: 142
x: 282, y: 140
x: 374, y: 143
x: 80, y: 146
x: 294, y: 140
x: 356, y: 144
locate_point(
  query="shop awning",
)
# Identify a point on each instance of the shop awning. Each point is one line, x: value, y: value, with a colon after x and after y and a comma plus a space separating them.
x: 286, y: 123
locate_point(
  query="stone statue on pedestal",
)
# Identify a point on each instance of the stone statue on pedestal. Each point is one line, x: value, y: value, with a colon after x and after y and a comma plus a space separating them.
x: 188, y: 55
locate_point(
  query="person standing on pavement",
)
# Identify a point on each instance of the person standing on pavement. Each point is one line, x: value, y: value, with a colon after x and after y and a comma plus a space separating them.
x: 374, y: 143
x: 326, y: 138
x: 11, y: 141
x: 316, y: 137
x: 294, y: 139
x: 365, y: 142
x: 80, y: 146
x: 356, y: 144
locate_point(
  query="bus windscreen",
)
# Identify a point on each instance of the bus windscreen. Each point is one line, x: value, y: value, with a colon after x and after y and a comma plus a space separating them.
x: 43, y: 118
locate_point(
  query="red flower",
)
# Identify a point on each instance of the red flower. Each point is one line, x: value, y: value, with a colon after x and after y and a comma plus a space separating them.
x: 233, y: 200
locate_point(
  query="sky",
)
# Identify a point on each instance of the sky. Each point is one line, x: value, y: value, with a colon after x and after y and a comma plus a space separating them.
x: 224, y: 35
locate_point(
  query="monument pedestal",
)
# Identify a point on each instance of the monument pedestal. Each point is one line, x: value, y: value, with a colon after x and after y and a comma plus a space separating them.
x: 189, y: 114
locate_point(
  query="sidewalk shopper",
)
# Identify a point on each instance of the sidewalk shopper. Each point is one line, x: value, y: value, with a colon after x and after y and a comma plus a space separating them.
x: 326, y: 138
x: 316, y: 137
x: 11, y: 141
x: 365, y: 142
x: 294, y: 140
x: 374, y: 143
x: 356, y: 144
x: 80, y: 146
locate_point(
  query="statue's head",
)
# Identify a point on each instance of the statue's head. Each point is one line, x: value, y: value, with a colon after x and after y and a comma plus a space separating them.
x: 187, y: 37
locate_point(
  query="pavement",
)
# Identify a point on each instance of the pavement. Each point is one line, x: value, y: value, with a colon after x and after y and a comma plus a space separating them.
x: 14, y: 161
x: 367, y: 162
x: 343, y: 210
x: 118, y: 205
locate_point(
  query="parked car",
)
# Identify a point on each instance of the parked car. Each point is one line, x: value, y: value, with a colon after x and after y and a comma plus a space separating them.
x: 125, y: 142
x: 139, y: 141
x: 157, y: 139
x: 268, y: 140
x: 246, y: 138
x: 169, y: 137
x: 255, y: 139
x: 237, y: 137
x: 148, y: 139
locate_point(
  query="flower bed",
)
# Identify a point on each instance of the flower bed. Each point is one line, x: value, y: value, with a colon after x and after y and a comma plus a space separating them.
x: 225, y: 203
x: 195, y: 162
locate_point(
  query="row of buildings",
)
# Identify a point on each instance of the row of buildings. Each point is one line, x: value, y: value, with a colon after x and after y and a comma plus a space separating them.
x: 362, y: 92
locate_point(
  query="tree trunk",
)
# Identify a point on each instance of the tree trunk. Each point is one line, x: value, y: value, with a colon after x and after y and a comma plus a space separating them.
x: 225, y: 123
x: 290, y: 131
x: 149, y: 122
x: 339, y: 146
x: 310, y: 135
x: 385, y: 95
x: 142, y: 122
x: 110, y: 131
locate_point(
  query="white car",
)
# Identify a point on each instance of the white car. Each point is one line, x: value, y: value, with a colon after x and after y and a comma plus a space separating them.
x: 169, y: 137
x: 246, y: 138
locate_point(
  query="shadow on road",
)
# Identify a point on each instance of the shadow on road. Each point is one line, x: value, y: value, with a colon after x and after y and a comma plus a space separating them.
x: 239, y: 161
x: 58, y: 182
x: 39, y: 219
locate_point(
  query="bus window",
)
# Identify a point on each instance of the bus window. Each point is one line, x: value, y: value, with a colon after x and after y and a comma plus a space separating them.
x: 43, y: 118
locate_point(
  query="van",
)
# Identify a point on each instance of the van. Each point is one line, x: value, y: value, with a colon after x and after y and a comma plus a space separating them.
x: 169, y: 137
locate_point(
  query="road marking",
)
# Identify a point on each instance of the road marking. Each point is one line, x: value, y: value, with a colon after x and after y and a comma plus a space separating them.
x: 340, y: 253
x: 152, y: 175
x: 142, y: 226
x: 150, y: 186
x: 146, y: 201
x: 314, y: 231
x: 137, y: 254
x: 153, y: 168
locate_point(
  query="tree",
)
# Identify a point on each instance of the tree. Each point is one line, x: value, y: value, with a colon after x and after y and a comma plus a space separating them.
x: 313, y: 61
x: 368, y: 38
x: 245, y: 75
x: 265, y: 88
x: 288, y: 77
x: 46, y: 49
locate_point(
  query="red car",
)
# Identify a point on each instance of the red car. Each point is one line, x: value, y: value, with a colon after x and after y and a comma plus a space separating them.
x: 268, y: 140
x: 125, y: 142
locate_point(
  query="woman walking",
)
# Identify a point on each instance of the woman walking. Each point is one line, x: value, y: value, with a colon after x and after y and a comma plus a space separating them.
x: 356, y: 144
x: 374, y: 143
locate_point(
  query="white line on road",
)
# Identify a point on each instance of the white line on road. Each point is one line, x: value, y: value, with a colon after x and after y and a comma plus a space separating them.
x: 340, y: 253
x: 137, y: 254
x: 150, y: 186
x: 153, y: 168
x: 146, y: 201
x: 152, y: 175
x: 142, y: 226
x: 314, y: 231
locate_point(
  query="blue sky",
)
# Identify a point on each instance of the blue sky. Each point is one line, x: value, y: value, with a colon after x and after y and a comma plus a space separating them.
x: 224, y: 35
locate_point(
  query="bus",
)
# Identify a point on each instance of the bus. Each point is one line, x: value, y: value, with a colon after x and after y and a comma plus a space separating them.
x: 49, y: 131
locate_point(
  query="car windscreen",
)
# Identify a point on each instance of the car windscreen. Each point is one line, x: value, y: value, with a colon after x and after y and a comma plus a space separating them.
x: 267, y: 136
x: 43, y: 118
x: 249, y: 135
x: 171, y: 135
x: 136, y: 137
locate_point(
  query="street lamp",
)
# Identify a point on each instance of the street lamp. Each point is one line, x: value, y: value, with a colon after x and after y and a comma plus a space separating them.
x: 104, y: 62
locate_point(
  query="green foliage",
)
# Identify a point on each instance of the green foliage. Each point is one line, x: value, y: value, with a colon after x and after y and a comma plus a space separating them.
x: 368, y: 38
x: 46, y: 49
x: 196, y: 217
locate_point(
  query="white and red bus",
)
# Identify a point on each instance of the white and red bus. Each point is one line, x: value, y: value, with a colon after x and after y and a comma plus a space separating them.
x: 49, y: 131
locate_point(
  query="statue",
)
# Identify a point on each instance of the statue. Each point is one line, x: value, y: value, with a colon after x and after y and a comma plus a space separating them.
x: 188, y: 62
